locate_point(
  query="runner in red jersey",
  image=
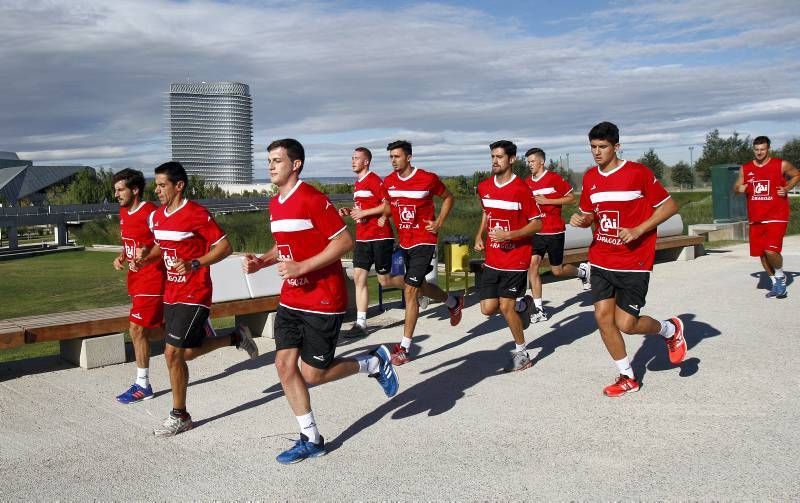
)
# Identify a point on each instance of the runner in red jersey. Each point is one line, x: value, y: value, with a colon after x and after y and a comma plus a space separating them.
x: 145, y: 284
x: 626, y: 203
x: 512, y: 216
x: 310, y: 239
x: 763, y: 180
x: 411, y: 191
x: 374, y: 237
x: 551, y: 193
x: 189, y: 241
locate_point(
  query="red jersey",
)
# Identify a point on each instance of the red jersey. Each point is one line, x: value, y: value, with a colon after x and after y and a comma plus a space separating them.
x: 186, y: 234
x: 367, y: 194
x: 763, y: 202
x: 134, y: 227
x: 302, y: 224
x: 552, y: 186
x: 509, y: 206
x: 621, y: 199
x: 412, y: 204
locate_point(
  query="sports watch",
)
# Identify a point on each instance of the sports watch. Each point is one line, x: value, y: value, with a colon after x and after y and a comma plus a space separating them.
x: 195, y: 264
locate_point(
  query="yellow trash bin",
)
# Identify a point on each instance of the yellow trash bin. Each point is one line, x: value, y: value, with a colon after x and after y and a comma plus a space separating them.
x: 456, y: 259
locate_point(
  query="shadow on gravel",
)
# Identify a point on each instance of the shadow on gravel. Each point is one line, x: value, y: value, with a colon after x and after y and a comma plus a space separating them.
x: 764, y: 283
x: 652, y: 354
x: 563, y: 333
x: 435, y: 395
x: 32, y: 366
x: 248, y: 364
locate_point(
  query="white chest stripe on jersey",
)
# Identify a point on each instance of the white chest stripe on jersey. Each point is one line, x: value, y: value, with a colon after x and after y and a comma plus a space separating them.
x: 615, y: 195
x: 411, y: 194
x: 362, y: 193
x: 544, y: 191
x: 291, y: 225
x: 501, y: 205
x: 172, y: 235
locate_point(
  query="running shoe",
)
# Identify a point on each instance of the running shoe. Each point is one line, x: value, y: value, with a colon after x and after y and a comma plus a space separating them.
x: 584, y: 274
x: 525, y: 313
x: 135, y: 394
x: 386, y: 375
x: 355, y: 331
x: 676, y: 345
x: 778, y: 289
x: 246, y: 342
x: 173, y: 425
x: 423, y: 302
x: 623, y: 384
x: 520, y: 361
x: 455, y: 313
x: 538, y: 316
x: 399, y: 355
x: 302, y: 449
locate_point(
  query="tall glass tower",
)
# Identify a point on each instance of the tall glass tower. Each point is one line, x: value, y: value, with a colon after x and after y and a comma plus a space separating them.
x: 211, y: 130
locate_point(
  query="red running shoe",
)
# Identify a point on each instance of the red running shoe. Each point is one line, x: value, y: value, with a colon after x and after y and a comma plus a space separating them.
x: 624, y: 384
x: 676, y: 345
x: 455, y: 313
x: 399, y: 355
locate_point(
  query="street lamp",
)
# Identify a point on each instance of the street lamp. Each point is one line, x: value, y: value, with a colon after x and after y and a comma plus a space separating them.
x: 691, y: 150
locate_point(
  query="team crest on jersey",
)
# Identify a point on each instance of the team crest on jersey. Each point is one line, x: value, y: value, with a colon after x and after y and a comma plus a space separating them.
x: 170, y: 258
x: 760, y: 187
x: 408, y: 213
x: 609, y: 222
x: 284, y: 253
x: 130, y: 248
x: 499, y: 224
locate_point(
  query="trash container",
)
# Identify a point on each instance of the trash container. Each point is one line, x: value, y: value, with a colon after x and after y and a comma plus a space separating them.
x: 456, y: 259
x: 398, y: 263
x: 727, y: 206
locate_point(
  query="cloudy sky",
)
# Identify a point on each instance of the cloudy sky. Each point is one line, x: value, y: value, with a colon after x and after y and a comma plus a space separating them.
x: 85, y: 81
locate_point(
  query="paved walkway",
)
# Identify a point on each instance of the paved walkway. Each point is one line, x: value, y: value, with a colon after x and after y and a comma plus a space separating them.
x: 723, y: 425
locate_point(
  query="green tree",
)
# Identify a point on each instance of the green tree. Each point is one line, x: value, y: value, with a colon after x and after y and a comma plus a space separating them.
x: 719, y: 150
x: 85, y: 187
x: 520, y: 168
x: 652, y: 161
x: 682, y: 175
x: 559, y: 168
x: 791, y: 151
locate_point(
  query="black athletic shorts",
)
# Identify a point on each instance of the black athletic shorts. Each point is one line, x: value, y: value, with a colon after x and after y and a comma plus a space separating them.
x: 315, y: 335
x: 506, y: 284
x: 186, y: 325
x: 628, y: 288
x: 377, y: 252
x: 552, y: 245
x: 418, y: 263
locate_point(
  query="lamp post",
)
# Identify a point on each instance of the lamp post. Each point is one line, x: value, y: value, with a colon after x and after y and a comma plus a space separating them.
x: 691, y: 151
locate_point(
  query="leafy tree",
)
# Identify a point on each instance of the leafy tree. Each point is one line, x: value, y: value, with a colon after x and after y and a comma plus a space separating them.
x: 719, y: 150
x: 85, y: 187
x: 559, y: 168
x: 652, y: 161
x: 791, y: 151
x: 520, y: 168
x: 682, y: 175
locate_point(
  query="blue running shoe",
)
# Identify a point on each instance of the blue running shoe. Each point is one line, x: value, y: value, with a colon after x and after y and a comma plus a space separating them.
x: 135, y: 394
x: 780, y: 287
x: 386, y: 375
x: 302, y: 449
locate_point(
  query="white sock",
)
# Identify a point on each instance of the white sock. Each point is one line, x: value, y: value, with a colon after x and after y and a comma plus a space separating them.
x: 772, y: 278
x: 624, y: 367
x: 405, y: 343
x: 143, y: 377
x: 520, y: 347
x: 308, y: 427
x: 667, y: 329
x: 538, y: 303
x: 779, y: 273
x: 361, y: 318
x: 451, y: 301
x: 368, y: 364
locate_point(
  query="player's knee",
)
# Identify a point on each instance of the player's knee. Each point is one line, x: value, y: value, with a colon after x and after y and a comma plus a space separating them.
x: 312, y: 376
x: 488, y: 309
x: 384, y: 280
x: 557, y: 270
x: 626, y: 324
x: 173, y: 356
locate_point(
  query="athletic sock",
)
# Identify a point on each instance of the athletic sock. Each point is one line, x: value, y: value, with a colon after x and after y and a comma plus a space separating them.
x: 143, y: 377
x: 368, y: 364
x: 179, y: 413
x: 308, y: 427
x: 779, y: 273
x: 520, y: 347
x: 772, y: 278
x: 451, y: 301
x: 538, y: 303
x: 405, y: 343
x: 361, y: 319
x: 624, y: 366
x: 667, y: 329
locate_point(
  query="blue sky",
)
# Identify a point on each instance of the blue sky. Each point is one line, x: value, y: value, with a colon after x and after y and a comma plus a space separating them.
x: 85, y: 81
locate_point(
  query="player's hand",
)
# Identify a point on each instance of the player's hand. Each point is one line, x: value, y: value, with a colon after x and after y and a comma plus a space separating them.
x: 118, y: 262
x: 382, y: 221
x: 630, y: 235
x: 140, y: 254
x: 782, y: 191
x: 499, y: 236
x: 542, y: 200
x: 343, y: 212
x: 251, y: 263
x: 431, y: 225
x: 478, y: 244
x: 182, y: 266
x: 357, y: 214
x: 579, y: 220
x: 289, y: 269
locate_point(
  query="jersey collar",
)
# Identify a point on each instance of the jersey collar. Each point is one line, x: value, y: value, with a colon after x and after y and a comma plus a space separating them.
x: 500, y: 186
x: 409, y: 177
x: 282, y: 199
x: 168, y: 214
x: 613, y: 170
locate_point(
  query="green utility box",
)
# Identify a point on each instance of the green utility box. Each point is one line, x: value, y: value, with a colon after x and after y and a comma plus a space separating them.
x: 728, y: 207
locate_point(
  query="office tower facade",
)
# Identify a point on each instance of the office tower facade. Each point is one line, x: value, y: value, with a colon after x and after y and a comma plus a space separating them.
x: 211, y: 130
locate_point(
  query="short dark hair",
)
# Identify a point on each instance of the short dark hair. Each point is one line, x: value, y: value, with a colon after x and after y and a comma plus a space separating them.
x: 133, y: 179
x: 760, y: 140
x: 365, y: 151
x: 174, y: 171
x: 535, y: 151
x: 508, y: 147
x: 400, y: 144
x: 605, y: 131
x: 294, y: 149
